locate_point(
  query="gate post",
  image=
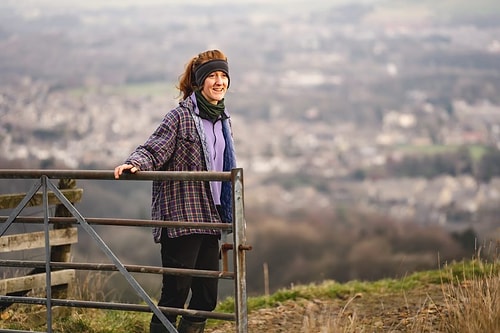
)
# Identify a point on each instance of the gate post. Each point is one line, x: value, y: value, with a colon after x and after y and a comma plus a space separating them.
x: 240, y: 246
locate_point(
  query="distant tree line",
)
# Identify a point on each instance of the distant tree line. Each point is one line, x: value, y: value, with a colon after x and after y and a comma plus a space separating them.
x: 345, y: 244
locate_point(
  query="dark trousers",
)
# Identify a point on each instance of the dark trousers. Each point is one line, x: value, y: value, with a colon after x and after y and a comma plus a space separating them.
x: 196, y: 251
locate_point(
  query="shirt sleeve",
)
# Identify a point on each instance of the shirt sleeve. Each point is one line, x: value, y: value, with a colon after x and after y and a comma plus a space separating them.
x: 159, y: 147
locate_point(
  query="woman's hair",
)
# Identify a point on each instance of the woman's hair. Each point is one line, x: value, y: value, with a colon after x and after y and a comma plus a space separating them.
x: 187, y: 82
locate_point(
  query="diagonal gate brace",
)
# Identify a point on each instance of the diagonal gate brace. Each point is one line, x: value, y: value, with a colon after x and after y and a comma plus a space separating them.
x: 102, y: 245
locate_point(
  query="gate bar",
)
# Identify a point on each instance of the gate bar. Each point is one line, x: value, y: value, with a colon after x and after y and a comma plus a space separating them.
x: 112, y: 267
x: 239, y: 240
x: 17, y: 331
x: 118, y: 306
x: 48, y: 275
x: 123, y: 222
x: 107, y: 174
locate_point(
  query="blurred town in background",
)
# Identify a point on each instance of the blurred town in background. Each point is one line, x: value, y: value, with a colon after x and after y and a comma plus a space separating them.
x: 350, y: 117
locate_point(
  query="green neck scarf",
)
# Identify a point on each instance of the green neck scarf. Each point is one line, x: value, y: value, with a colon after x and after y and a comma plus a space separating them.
x: 208, y: 110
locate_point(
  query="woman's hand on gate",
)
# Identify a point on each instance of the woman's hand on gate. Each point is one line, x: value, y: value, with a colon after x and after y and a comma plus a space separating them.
x: 119, y: 170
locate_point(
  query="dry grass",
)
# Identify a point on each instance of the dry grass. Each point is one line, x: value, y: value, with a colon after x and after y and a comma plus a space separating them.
x: 473, y: 305
x: 470, y: 304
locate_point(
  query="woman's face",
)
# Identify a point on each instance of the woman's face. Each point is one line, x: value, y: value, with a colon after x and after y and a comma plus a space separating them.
x: 215, y: 87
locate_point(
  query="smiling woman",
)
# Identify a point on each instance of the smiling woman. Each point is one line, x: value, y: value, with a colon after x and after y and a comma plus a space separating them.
x: 195, y: 136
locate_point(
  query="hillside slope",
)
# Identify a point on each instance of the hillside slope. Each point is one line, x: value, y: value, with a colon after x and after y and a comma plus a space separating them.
x: 461, y: 297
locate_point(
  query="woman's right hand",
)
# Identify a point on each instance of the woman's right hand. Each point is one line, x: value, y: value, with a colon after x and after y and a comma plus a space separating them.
x: 121, y: 168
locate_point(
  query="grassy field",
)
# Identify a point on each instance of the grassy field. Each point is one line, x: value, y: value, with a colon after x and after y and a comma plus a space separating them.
x: 476, y: 151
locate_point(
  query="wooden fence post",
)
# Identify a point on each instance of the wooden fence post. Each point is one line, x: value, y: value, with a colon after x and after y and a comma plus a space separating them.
x: 62, y: 253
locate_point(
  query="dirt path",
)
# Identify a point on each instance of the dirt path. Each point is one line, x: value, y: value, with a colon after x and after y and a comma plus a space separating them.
x: 419, y: 310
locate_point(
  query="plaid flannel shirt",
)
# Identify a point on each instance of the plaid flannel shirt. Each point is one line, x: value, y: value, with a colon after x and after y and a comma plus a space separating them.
x: 178, y: 144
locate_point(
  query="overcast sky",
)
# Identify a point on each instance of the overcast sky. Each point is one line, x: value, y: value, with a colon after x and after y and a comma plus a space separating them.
x: 124, y: 3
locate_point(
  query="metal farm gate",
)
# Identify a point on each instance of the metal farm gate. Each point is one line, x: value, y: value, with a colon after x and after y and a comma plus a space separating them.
x: 55, y: 265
